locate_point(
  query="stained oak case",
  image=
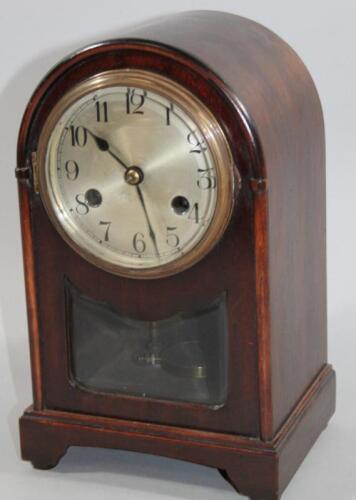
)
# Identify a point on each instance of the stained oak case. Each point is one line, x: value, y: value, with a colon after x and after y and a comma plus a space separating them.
x: 269, y: 265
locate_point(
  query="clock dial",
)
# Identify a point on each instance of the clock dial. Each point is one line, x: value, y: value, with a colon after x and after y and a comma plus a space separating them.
x: 131, y: 177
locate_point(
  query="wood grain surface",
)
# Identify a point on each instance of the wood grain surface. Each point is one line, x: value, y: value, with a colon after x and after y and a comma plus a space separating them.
x: 271, y: 262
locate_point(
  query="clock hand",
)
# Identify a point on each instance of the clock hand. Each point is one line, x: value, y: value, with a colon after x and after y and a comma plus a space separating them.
x: 150, y: 230
x: 103, y: 145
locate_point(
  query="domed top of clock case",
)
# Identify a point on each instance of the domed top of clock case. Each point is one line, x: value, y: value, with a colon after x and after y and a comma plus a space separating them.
x: 257, y: 71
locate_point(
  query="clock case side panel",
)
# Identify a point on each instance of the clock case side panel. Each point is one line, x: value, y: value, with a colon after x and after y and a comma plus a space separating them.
x: 229, y: 267
x: 31, y: 294
x: 297, y: 242
x: 275, y: 92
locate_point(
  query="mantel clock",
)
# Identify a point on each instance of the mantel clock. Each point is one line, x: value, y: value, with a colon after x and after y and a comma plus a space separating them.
x: 172, y: 195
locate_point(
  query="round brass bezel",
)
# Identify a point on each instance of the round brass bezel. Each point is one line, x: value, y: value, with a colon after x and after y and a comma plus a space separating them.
x: 214, y: 137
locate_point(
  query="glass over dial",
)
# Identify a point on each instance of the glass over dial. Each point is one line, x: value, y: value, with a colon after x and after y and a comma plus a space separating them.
x: 130, y: 177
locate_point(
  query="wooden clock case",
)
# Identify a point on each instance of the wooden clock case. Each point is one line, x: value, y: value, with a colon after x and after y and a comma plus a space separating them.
x: 271, y: 263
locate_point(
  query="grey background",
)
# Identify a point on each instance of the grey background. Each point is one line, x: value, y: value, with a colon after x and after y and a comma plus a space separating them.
x: 34, y: 35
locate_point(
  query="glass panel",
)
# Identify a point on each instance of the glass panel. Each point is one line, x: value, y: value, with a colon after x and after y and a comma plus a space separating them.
x: 181, y: 358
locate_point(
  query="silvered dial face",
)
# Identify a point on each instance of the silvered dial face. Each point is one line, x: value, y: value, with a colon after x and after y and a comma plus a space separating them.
x: 131, y: 177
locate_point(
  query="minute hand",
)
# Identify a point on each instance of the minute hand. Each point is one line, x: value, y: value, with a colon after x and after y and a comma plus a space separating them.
x: 150, y: 230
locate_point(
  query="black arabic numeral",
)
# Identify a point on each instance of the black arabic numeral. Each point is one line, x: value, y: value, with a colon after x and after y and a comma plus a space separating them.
x: 198, y: 144
x: 101, y: 111
x: 172, y: 239
x: 168, y: 114
x: 139, y: 243
x: 79, y: 136
x: 107, y: 224
x: 135, y: 101
x: 82, y: 207
x: 206, y: 179
x: 72, y: 170
x: 194, y: 213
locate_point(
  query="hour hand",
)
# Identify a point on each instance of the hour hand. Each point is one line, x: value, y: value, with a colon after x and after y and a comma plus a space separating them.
x: 102, y: 144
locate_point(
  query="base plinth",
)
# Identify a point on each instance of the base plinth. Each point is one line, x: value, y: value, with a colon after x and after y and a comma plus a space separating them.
x: 260, y: 470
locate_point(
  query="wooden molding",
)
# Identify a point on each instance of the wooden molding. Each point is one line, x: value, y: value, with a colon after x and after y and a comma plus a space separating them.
x: 46, y: 435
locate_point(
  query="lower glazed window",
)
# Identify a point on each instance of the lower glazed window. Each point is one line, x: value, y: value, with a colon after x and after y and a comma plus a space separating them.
x: 180, y: 358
